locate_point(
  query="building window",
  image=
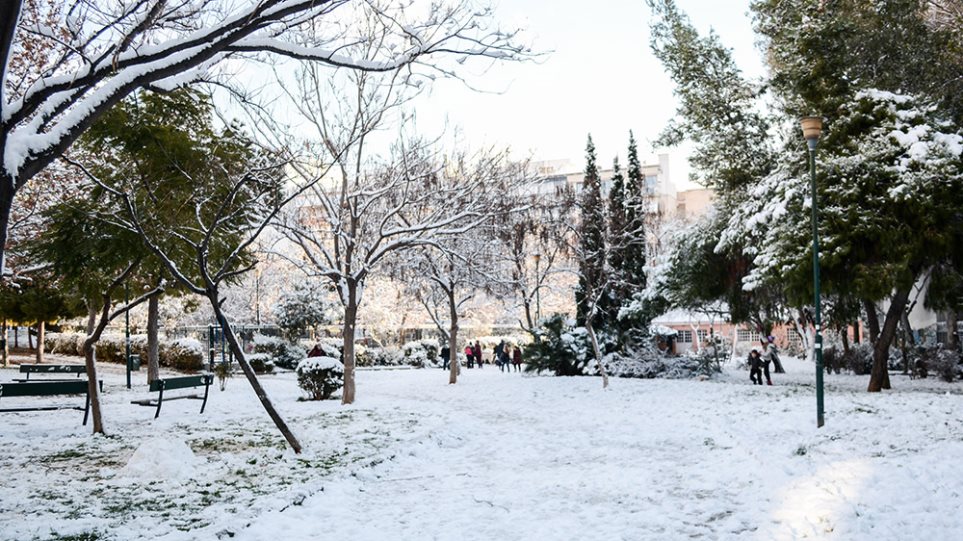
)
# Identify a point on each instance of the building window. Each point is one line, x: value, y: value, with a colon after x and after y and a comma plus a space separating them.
x: 703, y: 335
x: 794, y: 339
x: 651, y: 181
x: 745, y: 335
x: 685, y: 337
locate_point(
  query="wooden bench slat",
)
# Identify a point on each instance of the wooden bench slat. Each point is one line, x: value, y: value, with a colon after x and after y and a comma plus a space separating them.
x: 42, y: 388
x: 47, y: 388
x: 53, y: 369
x: 183, y: 382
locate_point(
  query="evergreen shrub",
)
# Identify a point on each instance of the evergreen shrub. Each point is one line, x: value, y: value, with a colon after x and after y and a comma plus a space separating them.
x: 320, y: 376
x: 282, y: 352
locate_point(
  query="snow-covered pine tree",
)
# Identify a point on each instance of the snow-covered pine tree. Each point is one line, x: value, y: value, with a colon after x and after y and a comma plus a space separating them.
x: 635, y: 218
x: 591, y: 239
x: 306, y: 306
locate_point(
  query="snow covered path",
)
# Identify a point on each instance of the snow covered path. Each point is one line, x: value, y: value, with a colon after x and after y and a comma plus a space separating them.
x: 501, y: 456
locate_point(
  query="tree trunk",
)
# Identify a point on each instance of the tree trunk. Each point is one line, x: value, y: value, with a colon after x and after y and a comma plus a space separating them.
x: 29, y: 339
x: 907, y: 329
x: 595, y: 348
x: 7, y: 183
x: 844, y: 334
x: 4, y: 346
x: 856, y: 332
x: 94, y: 330
x: 872, y: 320
x: 453, y: 338
x: 952, y: 338
x: 879, y: 377
x: 153, y: 344
x: 41, y: 327
x: 347, y: 336
x: 238, y: 352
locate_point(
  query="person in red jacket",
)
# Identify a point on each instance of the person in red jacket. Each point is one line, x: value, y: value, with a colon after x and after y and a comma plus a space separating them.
x: 470, y: 355
x: 517, y: 358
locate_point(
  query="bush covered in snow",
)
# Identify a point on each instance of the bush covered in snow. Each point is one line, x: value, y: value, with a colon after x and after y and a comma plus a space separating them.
x: 567, y: 351
x: 383, y: 357
x: 945, y: 363
x: 656, y: 366
x: 320, y: 376
x: 858, y: 360
x: 181, y: 354
x: 421, y: 353
x: 561, y: 349
x: 282, y: 352
x: 261, y: 363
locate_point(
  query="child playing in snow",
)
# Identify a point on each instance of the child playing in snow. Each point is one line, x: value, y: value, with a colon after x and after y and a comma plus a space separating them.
x: 755, y: 367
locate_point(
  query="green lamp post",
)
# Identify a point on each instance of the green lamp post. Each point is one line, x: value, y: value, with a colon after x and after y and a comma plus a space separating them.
x: 812, y: 127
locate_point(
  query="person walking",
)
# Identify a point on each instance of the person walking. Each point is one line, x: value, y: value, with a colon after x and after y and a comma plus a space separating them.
x: 517, y: 358
x: 478, y: 354
x: 505, y: 359
x: 469, y: 356
x: 755, y: 367
x: 445, y: 357
x: 498, y: 353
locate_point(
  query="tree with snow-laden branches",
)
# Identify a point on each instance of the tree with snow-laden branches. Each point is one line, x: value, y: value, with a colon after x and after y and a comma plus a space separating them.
x: 371, y: 204
x: 445, y: 277
x: 62, y: 65
x: 304, y: 306
x: 888, y: 164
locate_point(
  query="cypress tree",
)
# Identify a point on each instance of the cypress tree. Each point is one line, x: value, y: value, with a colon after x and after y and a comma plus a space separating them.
x: 634, y: 269
x: 617, y: 218
x: 591, y: 240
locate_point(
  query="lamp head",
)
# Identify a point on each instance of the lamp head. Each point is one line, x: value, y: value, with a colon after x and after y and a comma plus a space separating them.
x: 812, y: 127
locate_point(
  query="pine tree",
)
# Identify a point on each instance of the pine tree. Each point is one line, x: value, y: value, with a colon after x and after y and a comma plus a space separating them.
x: 635, y: 259
x: 591, y: 237
x: 617, y: 216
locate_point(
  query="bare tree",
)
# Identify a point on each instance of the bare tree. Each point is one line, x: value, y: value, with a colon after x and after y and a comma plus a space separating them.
x: 534, y: 242
x: 62, y: 65
x: 445, y: 277
x: 347, y: 231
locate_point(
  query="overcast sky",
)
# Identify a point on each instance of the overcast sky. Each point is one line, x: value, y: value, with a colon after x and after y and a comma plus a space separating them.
x: 601, y: 77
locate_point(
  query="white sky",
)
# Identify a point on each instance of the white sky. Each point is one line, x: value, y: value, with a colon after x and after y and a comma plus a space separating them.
x: 601, y: 78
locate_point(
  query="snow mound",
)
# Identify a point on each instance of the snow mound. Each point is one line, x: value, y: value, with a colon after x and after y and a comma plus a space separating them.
x: 161, y: 458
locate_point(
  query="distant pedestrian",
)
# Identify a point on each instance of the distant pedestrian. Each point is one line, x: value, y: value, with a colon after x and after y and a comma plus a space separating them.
x: 755, y: 367
x: 517, y: 358
x: 478, y: 354
x: 445, y: 357
x: 469, y: 356
x: 505, y: 359
x: 499, y: 349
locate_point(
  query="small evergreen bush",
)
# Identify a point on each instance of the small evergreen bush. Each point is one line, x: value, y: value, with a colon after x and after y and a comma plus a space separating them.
x: 320, y: 376
x: 945, y: 363
x: 282, y: 352
x: 261, y: 363
x: 421, y: 353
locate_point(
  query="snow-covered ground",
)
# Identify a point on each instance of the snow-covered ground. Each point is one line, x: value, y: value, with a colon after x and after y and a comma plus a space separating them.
x: 497, y: 456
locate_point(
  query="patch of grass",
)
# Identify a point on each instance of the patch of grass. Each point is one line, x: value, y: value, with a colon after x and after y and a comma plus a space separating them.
x: 86, y: 536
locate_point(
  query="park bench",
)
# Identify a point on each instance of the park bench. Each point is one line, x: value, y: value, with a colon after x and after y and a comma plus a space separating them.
x: 169, y: 384
x: 51, y: 369
x: 46, y: 388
